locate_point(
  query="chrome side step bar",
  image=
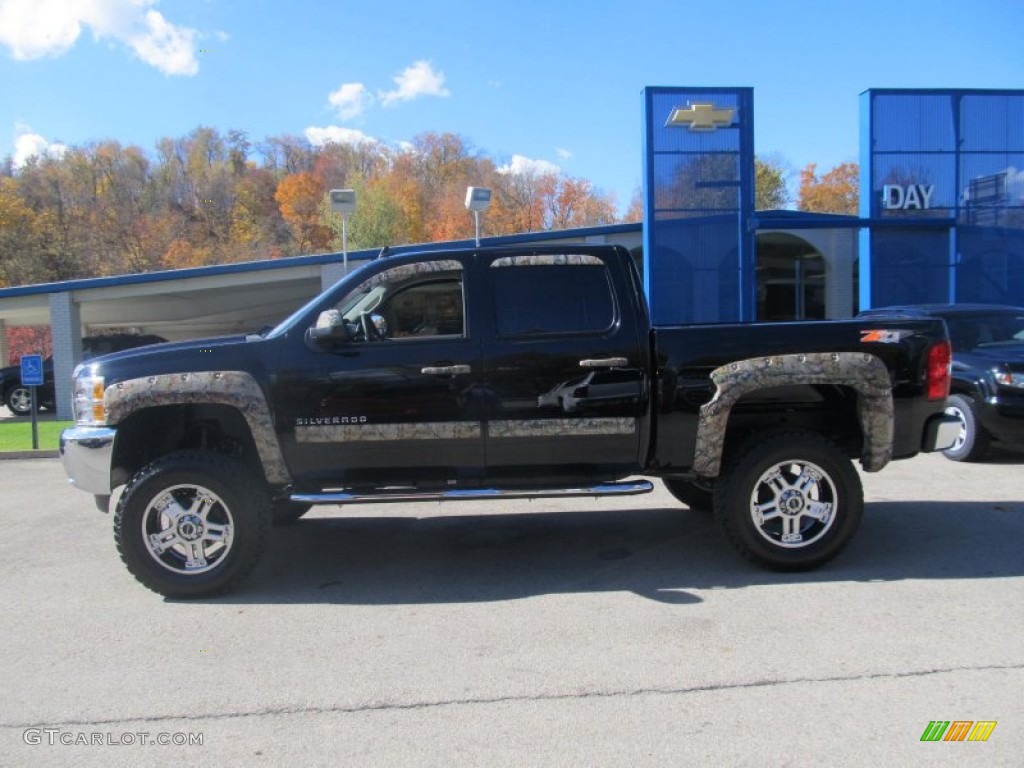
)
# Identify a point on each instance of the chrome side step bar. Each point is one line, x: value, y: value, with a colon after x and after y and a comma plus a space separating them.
x: 628, y: 488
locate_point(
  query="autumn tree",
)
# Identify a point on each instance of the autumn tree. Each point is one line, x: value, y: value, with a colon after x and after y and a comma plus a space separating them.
x: 570, y: 202
x: 210, y: 197
x: 518, y: 205
x: 28, y: 340
x: 258, y: 230
x: 301, y: 199
x: 635, y: 212
x: 835, y: 192
x: 16, y: 226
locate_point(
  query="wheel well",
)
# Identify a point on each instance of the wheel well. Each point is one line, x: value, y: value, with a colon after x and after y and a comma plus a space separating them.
x: 153, y: 432
x: 829, y: 410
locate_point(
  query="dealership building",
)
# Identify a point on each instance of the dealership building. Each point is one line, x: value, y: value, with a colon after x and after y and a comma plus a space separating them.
x: 941, y: 220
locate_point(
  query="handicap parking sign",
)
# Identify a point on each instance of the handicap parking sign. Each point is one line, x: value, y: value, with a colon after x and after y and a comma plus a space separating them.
x: 32, y: 370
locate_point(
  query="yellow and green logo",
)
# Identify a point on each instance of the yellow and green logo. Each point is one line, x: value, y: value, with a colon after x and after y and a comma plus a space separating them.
x: 958, y: 730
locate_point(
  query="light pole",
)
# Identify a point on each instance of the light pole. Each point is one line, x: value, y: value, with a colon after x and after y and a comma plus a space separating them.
x: 343, y: 201
x: 478, y: 199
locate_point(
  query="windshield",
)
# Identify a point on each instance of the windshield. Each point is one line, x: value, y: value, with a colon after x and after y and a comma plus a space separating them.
x: 973, y: 331
x: 308, y: 307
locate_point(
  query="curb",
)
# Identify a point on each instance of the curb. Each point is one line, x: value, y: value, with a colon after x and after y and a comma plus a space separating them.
x: 40, y: 454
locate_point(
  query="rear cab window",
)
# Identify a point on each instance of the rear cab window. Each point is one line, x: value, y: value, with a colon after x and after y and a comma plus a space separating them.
x: 551, y: 294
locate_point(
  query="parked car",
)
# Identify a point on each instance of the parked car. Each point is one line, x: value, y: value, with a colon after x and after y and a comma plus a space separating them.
x: 987, y: 389
x: 19, y: 398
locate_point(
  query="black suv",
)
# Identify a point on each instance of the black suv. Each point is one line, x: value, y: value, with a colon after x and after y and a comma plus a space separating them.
x: 987, y: 391
x: 19, y: 398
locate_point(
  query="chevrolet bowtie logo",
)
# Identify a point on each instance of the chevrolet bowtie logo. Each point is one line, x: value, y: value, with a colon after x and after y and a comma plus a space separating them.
x: 701, y: 117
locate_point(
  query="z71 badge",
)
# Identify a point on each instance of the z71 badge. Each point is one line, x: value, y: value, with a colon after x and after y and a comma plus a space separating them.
x: 885, y: 337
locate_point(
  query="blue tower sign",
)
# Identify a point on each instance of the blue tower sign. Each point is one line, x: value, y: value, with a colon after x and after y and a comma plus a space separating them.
x: 698, y: 187
x: 942, y: 183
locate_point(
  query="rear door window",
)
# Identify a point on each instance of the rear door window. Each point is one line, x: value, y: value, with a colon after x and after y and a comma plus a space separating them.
x: 544, y: 295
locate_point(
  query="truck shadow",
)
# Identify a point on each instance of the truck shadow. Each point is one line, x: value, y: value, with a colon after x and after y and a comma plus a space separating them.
x: 667, y: 555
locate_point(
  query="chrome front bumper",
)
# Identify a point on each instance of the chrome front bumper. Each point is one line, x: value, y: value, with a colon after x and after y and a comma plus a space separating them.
x: 86, y: 453
x: 940, y: 433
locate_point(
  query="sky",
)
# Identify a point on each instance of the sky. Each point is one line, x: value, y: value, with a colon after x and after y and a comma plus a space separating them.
x: 533, y: 85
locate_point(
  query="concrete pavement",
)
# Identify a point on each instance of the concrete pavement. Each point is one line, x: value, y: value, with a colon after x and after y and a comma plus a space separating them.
x: 571, y: 632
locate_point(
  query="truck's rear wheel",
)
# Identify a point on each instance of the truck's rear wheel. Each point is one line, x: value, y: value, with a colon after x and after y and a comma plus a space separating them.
x: 192, y: 524
x: 790, y: 501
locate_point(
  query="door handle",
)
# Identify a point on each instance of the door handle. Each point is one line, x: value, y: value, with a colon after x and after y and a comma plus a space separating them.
x: 444, y: 370
x: 604, y: 362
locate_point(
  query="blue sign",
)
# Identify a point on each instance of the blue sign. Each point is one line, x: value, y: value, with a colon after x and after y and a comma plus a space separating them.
x: 941, y: 182
x: 32, y: 370
x: 698, y: 197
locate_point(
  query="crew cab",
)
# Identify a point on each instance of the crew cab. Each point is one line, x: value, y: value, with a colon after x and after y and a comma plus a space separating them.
x: 987, y: 388
x: 465, y: 375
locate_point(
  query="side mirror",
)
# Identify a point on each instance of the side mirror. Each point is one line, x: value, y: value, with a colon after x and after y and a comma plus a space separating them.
x: 330, y: 329
x: 380, y: 325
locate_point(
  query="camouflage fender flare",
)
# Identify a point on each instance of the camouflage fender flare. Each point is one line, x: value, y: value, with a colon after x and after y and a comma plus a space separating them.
x: 863, y: 372
x: 237, y: 389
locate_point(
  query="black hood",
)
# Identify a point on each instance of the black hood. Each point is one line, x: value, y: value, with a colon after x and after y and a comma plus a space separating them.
x: 993, y: 355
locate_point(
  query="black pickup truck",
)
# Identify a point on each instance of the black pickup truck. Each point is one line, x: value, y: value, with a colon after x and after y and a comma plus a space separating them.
x: 498, y: 373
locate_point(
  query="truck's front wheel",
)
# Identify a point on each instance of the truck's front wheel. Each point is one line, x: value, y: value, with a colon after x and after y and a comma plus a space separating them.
x: 192, y: 524
x: 790, y: 501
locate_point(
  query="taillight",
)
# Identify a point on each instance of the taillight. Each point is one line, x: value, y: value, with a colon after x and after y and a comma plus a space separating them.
x: 937, y: 378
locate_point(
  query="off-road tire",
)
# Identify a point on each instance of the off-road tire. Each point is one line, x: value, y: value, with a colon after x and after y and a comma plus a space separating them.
x: 789, y: 501
x: 172, y: 508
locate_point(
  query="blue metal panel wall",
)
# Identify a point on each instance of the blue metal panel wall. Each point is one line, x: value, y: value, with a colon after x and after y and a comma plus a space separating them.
x: 698, y: 197
x: 954, y: 155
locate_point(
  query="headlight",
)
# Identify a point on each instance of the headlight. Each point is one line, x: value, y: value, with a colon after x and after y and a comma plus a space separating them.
x: 87, y: 400
x: 1010, y: 379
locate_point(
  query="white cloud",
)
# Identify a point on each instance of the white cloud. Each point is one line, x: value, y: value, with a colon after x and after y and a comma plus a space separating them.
x: 33, y: 29
x: 524, y: 166
x: 170, y: 49
x: 28, y: 145
x: 563, y: 154
x: 420, y: 79
x: 333, y: 134
x: 350, y: 100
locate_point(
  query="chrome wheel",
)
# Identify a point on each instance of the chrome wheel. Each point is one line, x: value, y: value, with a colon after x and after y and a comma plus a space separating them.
x: 789, y: 501
x: 793, y: 504
x: 187, y: 529
x: 192, y: 524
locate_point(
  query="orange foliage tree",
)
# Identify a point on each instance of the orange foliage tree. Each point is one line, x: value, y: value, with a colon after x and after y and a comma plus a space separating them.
x: 835, y: 192
x: 301, y: 197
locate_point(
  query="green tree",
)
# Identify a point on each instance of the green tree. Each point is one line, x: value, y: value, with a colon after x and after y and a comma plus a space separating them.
x: 770, y: 191
x: 377, y: 220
